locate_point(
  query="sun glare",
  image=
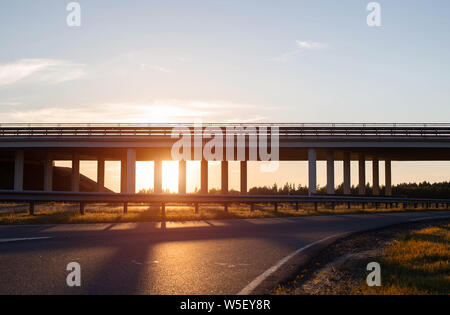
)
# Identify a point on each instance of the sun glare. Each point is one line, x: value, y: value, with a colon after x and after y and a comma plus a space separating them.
x: 170, y: 176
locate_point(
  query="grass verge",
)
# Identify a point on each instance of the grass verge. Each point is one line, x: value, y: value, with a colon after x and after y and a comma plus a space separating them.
x: 414, y: 259
x: 59, y: 213
x: 416, y: 263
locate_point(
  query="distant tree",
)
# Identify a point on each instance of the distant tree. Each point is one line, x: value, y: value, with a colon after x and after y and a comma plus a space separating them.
x: 424, y: 189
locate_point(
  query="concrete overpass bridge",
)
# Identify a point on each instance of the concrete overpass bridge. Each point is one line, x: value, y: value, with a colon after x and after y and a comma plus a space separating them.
x: 128, y: 143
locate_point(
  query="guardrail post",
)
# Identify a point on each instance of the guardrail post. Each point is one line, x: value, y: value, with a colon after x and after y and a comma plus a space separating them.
x: 315, y: 206
x: 363, y: 205
x: 296, y: 206
x: 225, y: 207
x: 404, y: 205
x: 163, y: 212
x: 252, y: 206
x: 376, y: 205
x: 19, y: 162
x: 82, y: 207
x: 333, y: 205
x: 125, y: 207
x: 349, y: 206
x: 275, y: 206
x: 31, y: 208
x: 196, y: 207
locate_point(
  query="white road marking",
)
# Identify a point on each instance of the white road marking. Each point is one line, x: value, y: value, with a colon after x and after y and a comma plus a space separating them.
x: 5, y: 240
x: 255, y: 283
x: 144, y: 263
x: 431, y: 217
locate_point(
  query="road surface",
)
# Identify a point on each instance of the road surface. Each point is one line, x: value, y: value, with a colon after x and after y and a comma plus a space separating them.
x: 203, y: 257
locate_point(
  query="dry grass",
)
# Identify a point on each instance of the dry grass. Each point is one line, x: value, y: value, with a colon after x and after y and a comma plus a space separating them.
x: 58, y: 213
x: 416, y: 263
x: 414, y: 259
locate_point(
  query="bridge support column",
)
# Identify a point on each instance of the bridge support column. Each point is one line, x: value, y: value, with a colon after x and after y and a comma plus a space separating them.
x: 75, y: 172
x: 123, y: 174
x: 347, y: 173
x: 224, y: 177
x: 330, y: 172
x: 204, y: 177
x: 131, y: 171
x: 362, y: 174
x: 312, y: 171
x: 48, y: 173
x: 182, y: 176
x: 243, y: 177
x: 388, y: 178
x: 157, y: 171
x: 19, y: 162
x: 375, y: 177
x: 101, y: 174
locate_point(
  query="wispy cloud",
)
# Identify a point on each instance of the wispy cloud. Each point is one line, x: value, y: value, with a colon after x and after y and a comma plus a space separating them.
x: 155, y: 112
x: 50, y: 71
x: 300, y: 46
x: 155, y: 68
x: 310, y: 45
x: 9, y: 103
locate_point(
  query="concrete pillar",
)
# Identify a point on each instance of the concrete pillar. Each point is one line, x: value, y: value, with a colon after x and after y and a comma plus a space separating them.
x: 48, y: 173
x: 362, y: 174
x: 388, y: 178
x: 182, y: 177
x: 376, y: 177
x: 347, y: 173
x: 157, y: 176
x: 224, y: 177
x: 75, y: 172
x: 312, y: 171
x: 19, y: 162
x: 330, y: 172
x: 131, y: 171
x: 123, y: 174
x: 243, y: 174
x: 101, y: 174
x: 204, y: 177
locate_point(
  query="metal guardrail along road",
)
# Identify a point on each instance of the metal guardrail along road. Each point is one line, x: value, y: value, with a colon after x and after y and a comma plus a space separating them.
x: 196, y: 199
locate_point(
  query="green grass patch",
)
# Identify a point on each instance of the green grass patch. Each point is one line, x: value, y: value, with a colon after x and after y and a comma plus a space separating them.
x: 416, y: 263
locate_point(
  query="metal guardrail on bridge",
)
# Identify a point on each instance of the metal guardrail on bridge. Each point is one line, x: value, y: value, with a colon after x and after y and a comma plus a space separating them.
x: 441, y: 130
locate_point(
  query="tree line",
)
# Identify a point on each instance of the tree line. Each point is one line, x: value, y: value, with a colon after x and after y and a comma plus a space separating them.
x: 423, y: 189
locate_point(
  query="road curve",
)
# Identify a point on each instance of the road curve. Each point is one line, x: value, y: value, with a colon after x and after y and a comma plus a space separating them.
x: 200, y: 257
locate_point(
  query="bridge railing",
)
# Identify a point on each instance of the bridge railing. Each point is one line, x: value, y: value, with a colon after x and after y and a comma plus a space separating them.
x: 282, y: 129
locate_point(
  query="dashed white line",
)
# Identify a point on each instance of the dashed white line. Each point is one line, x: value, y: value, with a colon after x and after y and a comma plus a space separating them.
x: 5, y: 240
x: 257, y: 281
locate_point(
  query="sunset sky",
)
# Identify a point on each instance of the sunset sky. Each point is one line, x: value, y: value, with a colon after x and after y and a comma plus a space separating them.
x: 228, y: 61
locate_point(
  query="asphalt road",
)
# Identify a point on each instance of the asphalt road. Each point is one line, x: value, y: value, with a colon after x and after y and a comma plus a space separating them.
x: 204, y: 257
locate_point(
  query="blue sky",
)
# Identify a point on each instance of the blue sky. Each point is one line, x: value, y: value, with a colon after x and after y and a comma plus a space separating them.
x: 286, y: 61
x: 247, y: 61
